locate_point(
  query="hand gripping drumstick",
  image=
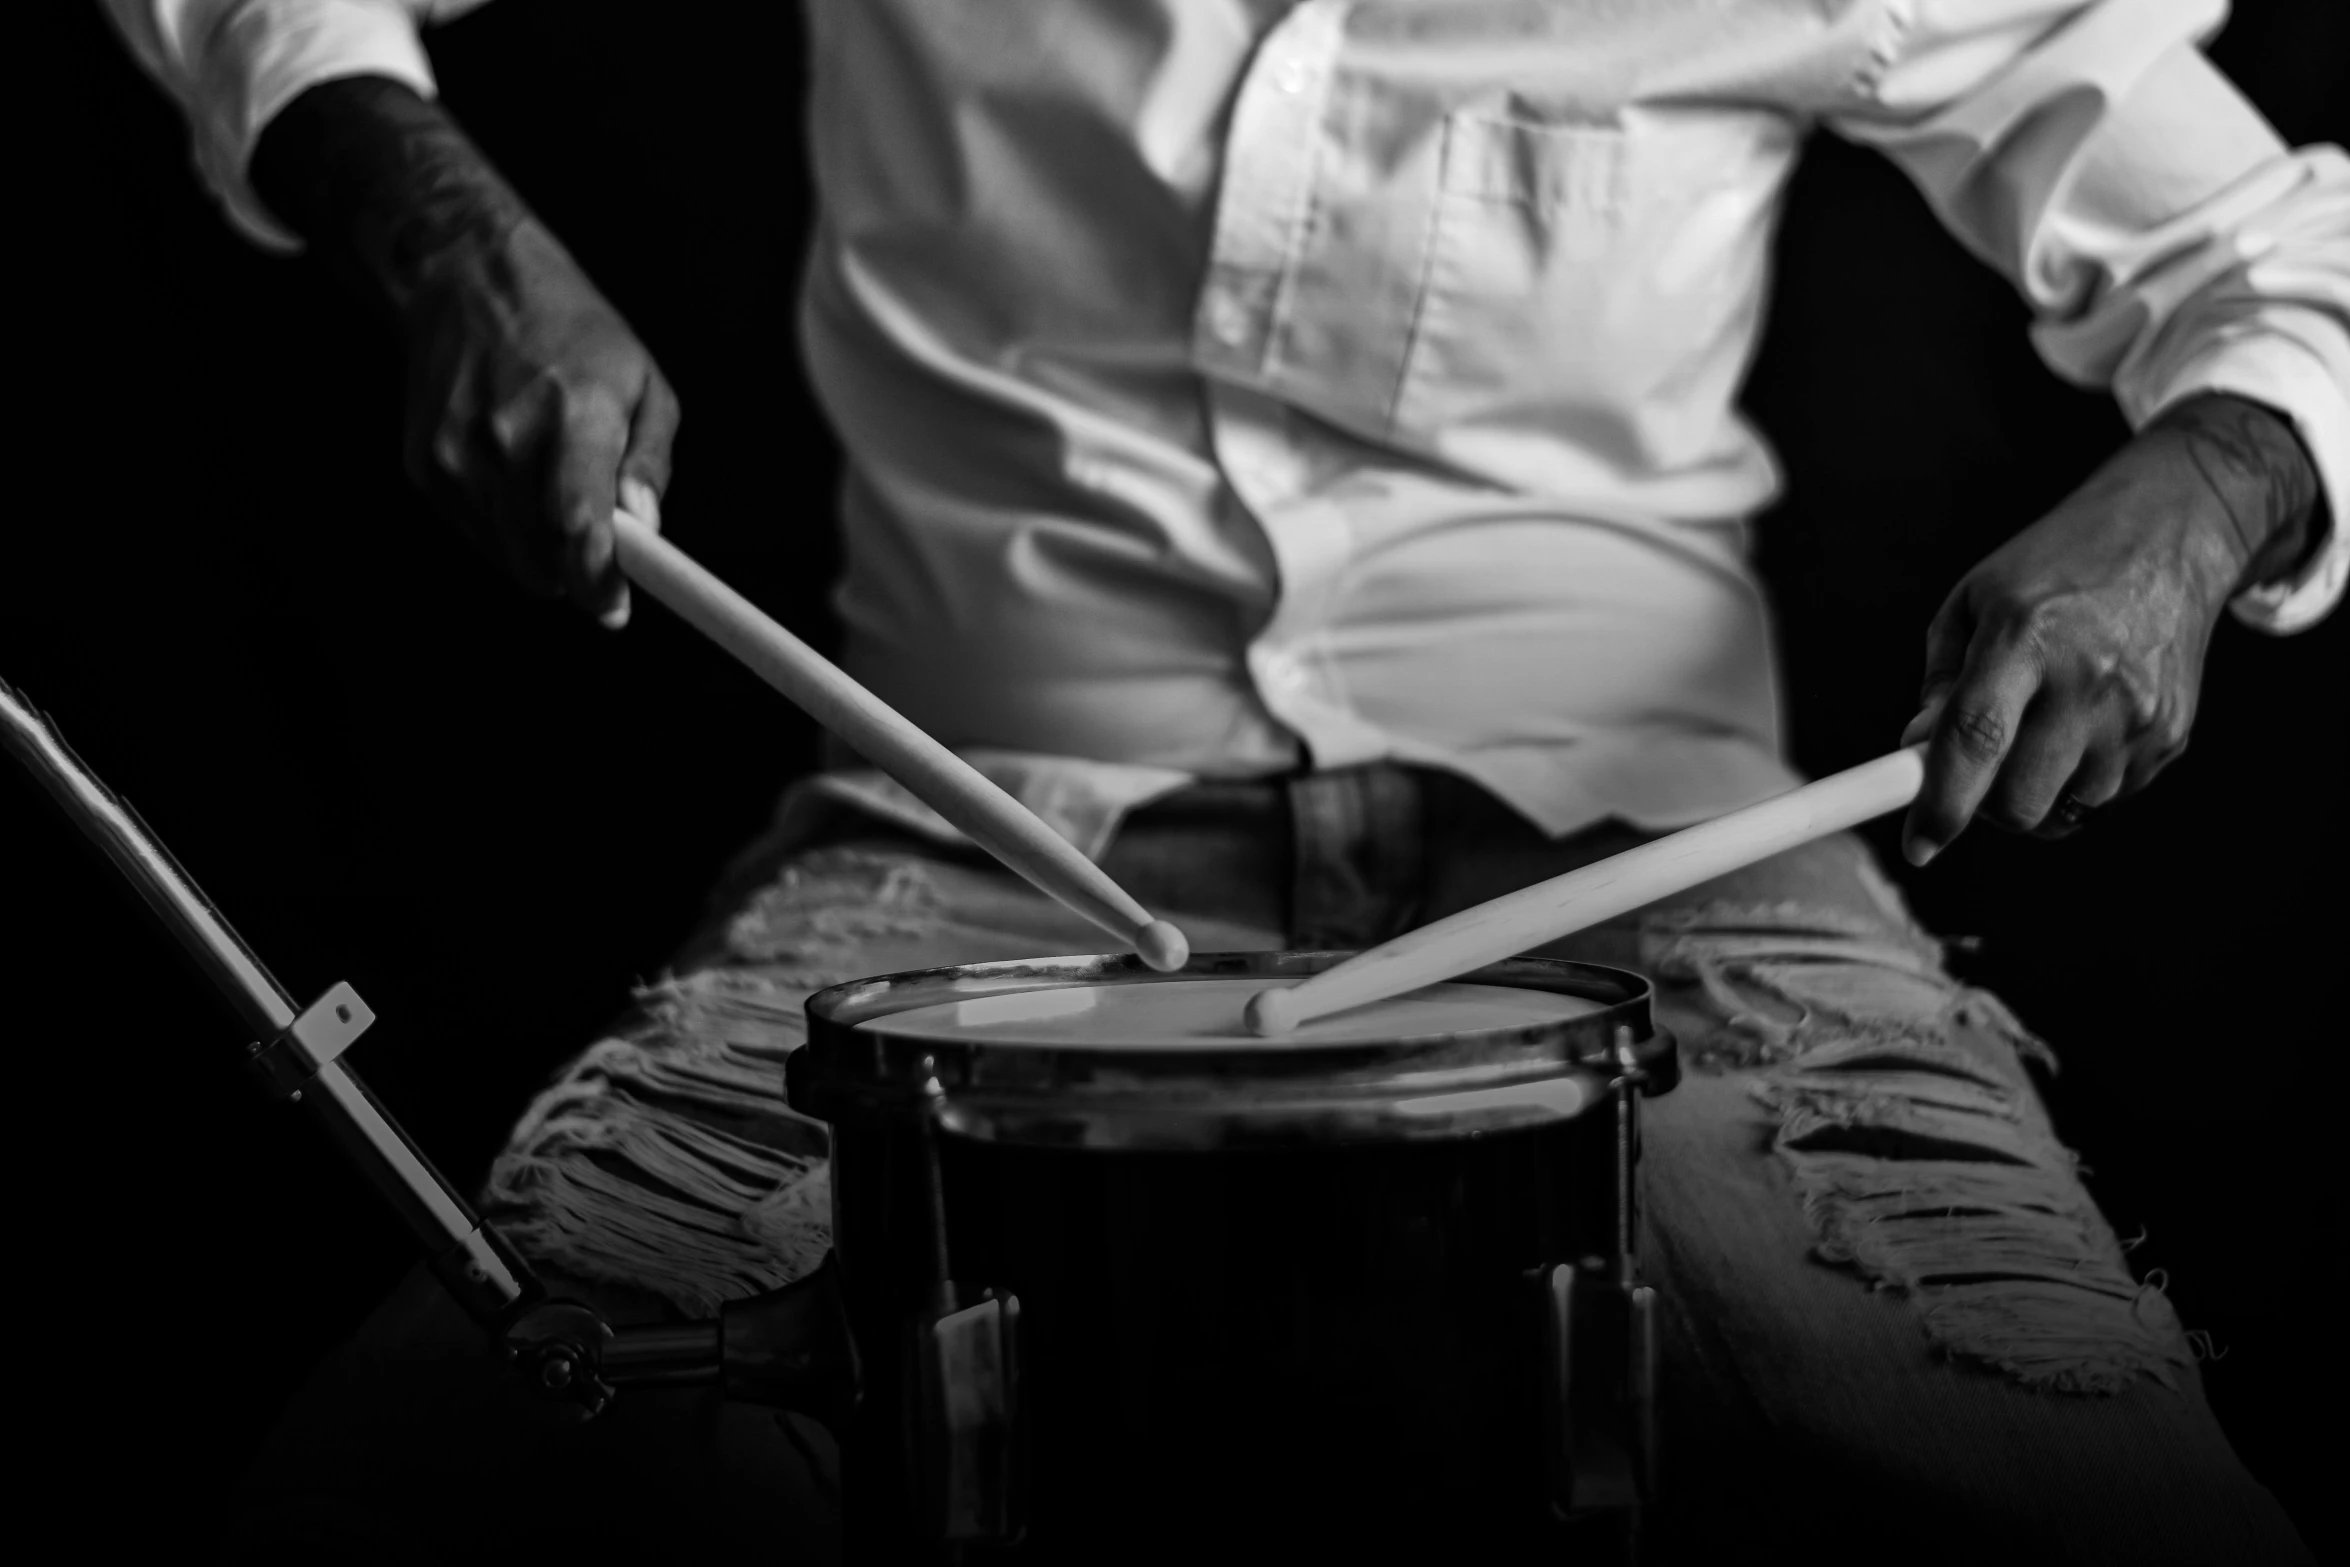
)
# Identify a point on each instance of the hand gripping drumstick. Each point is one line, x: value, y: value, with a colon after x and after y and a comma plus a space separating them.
x: 876, y: 731
x: 1581, y: 898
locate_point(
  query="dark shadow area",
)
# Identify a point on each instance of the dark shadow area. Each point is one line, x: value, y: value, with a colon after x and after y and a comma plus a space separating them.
x: 492, y: 817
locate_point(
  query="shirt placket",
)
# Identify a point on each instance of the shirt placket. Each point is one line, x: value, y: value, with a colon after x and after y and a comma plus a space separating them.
x: 1264, y: 205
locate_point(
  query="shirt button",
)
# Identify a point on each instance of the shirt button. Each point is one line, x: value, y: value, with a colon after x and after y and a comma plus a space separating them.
x: 1228, y: 319
x: 1293, y: 77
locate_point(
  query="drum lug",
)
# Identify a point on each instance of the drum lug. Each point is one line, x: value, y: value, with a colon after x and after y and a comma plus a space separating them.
x: 1598, y: 1390
x: 969, y: 1435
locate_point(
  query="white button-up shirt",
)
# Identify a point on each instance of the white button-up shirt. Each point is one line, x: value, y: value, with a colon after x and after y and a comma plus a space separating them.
x: 1230, y: 385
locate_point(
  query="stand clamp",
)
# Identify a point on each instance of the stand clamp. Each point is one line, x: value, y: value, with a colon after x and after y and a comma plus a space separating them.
x: 325, y: 1029
x: 787, y: 1349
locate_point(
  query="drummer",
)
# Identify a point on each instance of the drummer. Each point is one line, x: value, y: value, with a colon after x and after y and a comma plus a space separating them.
x: 1292, y: 448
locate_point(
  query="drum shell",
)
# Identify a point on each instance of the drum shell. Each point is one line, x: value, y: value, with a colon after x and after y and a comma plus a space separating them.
x: 1313, y: 1344
x: 1275, y: 1338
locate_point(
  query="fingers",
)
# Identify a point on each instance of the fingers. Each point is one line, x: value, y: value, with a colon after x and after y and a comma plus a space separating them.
x: 1978, y: 724
x: 2065, y: 668
x: 530, y: 403
x: 651, y: 433
x: 481, y: 466
x: 2031, y: 737
x: 440, y: 450
x: 2049, y: 751
x: 2149, y: 759
x: 604, y: 462
x: 545, y: 473
x: 2100, y: 779
x: 1946, y: 649
x: 1922, y: 726
x: 1948, y: 638
x: 639, y: 501
x: 644, y: 467
x: 583, y: 478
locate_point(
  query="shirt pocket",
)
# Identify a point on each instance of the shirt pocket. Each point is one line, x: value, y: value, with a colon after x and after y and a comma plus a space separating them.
x: 1591, y: 280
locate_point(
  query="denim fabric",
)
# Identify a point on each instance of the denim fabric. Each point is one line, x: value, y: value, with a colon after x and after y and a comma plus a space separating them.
x: 1895, y: 1322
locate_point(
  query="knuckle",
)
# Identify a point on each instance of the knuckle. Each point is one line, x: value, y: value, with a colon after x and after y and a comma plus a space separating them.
x: 514, y: 424
x: 548, y: 398
x: 2129, y: 686
x: 2046, y: 632
x: 2013, y: 613
x: 2031, y: 617
x: 1976, y: 731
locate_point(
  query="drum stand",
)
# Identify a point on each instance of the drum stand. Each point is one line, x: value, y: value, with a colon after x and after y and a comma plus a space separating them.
x: 792, y: 1348
x: 789, y: 1348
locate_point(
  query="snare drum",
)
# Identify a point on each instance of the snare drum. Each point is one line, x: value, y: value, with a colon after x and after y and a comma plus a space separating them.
x: 1125, y: 1281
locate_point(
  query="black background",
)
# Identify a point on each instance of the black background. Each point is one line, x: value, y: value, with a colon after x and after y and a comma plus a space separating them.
x: 490, y: 816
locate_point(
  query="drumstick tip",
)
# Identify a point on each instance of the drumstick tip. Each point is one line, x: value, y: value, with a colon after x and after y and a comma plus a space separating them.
x: 1162, y: 946
x: 1272, y: 1011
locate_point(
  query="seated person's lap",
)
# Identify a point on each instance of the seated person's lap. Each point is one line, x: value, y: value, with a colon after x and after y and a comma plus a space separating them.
x: 1889, y: 1301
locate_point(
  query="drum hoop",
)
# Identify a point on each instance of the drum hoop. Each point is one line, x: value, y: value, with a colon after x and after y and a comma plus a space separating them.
x: 1411, y: 1088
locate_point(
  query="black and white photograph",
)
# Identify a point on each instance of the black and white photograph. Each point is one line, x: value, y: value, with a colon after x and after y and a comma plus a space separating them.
x: 1016, y: 783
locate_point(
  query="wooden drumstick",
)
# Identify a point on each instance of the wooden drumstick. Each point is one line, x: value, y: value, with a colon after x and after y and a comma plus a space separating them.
x: 1581, y: 898
x: 876, y: 731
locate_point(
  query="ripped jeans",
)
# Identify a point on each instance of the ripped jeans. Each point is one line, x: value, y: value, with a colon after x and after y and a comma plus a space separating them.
x: 1895, y: 1324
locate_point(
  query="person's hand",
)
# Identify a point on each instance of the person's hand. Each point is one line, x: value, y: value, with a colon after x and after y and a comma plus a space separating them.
x: 2062, y: 673
x: 530, y: 403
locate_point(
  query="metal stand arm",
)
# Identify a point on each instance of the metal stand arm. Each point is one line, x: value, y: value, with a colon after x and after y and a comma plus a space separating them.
x: 789, y: 1348
x: 297, y: 1055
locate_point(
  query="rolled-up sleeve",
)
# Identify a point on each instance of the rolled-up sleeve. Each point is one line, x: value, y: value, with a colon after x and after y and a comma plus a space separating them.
x: 2168, y: 242
x: 233, y: 64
